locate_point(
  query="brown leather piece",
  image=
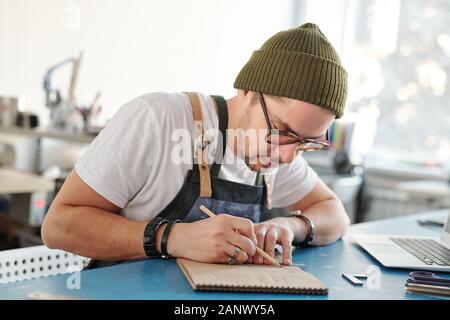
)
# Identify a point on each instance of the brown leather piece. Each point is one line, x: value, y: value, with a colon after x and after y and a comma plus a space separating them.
x: 205, y: 177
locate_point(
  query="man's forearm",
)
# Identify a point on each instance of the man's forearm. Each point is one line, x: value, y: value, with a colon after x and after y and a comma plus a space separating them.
x: 94, y: 233
x: 330, y: 221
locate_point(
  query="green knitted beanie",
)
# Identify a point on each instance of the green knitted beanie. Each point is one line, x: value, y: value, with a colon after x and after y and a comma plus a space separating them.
x: 298, y: 63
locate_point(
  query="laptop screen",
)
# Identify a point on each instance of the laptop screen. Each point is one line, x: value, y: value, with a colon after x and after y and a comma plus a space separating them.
x: 447, y: 225
x: 446, y: 234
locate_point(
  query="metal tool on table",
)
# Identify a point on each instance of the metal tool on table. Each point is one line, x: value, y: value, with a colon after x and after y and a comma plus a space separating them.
x: 354, y: 278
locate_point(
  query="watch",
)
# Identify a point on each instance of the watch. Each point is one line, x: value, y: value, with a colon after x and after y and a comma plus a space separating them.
x: 150, y: 237
x: 310, y: 235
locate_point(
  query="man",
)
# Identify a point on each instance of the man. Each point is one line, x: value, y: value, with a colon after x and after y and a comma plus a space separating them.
x: 130, y: 197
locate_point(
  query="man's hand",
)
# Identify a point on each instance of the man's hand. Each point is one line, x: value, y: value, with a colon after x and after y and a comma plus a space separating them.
x: 213, y: 240
x: 275, y: 231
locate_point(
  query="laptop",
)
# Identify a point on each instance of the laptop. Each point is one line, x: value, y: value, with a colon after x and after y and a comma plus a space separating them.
x: 421, y: 253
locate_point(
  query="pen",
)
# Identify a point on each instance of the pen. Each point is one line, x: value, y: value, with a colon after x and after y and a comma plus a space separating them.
x: 260, y: 251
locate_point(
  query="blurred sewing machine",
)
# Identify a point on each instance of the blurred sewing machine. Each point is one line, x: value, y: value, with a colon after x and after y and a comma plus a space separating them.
x: 66, y: 113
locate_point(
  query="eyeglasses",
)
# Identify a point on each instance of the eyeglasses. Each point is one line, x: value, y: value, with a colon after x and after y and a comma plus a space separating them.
x: 279, y: 137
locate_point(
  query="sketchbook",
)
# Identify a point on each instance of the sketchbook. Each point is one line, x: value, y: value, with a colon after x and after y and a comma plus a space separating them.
x: 250, y: 278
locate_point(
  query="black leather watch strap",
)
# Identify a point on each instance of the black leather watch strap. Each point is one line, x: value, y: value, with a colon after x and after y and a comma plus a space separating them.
x: 310, y: 235
x: 165, y: 237
x: 150, y: 236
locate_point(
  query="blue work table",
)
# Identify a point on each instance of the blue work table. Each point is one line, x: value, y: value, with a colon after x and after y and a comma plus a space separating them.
x: 162, y: 279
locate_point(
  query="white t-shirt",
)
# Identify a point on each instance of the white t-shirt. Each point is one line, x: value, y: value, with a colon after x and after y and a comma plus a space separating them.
x: 130, y: 161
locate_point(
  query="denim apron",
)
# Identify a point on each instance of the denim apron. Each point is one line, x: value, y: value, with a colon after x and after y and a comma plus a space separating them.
x: 202, y: 186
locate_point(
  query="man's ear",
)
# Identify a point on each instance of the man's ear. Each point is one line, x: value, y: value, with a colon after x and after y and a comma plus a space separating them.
x: 242, y: 93
x: 251, y: 97
x: 248, y: 98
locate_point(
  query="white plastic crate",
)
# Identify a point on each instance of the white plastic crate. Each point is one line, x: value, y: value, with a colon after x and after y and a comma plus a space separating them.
x: 36, y: 262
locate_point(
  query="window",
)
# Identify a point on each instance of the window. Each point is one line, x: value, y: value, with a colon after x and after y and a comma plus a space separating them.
x: 397, y: 54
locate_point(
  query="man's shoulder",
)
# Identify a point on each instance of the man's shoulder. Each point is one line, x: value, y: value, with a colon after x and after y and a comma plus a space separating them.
x: 158, y: 106
x: 172, y: 110
x: 155, y: 101
x: 166, y: 99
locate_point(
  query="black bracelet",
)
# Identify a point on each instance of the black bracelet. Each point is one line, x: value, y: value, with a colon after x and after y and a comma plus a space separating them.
x: 310, y: 235
x: 165, y: 237
x: 150, y: 236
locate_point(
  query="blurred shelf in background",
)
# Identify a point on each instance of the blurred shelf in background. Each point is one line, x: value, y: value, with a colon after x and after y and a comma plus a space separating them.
x: 47, y: 133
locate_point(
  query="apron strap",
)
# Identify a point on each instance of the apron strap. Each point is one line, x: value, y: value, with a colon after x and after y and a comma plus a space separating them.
x: 222, y: 113
x: 259, y: 181
x: 199, y: 146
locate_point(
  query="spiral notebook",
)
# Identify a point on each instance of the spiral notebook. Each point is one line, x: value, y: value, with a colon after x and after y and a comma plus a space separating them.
x: 250, y: 278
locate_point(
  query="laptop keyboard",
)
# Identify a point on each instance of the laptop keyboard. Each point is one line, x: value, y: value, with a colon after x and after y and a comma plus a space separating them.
x: 426, y: 250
